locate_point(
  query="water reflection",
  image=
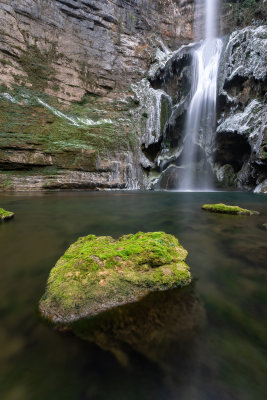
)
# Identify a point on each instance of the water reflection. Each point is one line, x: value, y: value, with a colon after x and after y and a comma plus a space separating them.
x: 158, y: 326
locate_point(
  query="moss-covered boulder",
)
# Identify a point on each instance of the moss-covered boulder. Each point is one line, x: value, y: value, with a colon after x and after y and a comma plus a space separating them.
x: 225, y: 209
x: 5, y: 215
x: 99, y: 273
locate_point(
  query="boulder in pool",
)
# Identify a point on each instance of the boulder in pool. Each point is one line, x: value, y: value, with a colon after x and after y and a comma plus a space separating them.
x: 226, y: 209
x: 99, y: 273
x: 5, y: 215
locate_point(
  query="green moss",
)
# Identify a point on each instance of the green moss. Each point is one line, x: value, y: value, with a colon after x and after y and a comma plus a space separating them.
x: 225, y: 209
x: 28, y: 121
x: 4, y: 215
x: 98, y: 273
x: 38, y: 65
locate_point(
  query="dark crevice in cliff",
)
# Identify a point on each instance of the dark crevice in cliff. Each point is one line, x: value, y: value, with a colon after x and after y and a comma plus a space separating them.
x: 174, y: 131
x: 175, y: 75
x: 72, y: 13
x: 13, y: 166
x: 232, y: 149
x: 71, y: 4
x: 26, y: 13
x: 152, y: 150
x: 236, y: 81
x: 244, y: 88
x: 8, y: 53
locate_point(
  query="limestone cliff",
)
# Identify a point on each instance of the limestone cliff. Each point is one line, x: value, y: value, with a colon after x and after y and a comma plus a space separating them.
x: 94, y: 93
x: 241, y: 142
x: 66, y: 106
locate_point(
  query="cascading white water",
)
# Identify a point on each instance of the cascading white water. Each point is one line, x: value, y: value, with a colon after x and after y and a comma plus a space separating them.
x: 201, y: 115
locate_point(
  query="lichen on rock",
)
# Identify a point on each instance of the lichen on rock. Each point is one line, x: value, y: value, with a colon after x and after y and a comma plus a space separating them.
x: 5, y: 215
x: 226, y: 209
x: 99, y: 273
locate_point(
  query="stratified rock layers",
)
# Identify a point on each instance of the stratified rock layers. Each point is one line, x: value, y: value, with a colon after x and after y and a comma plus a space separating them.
x: 73, y: 113
x: 73, y: 51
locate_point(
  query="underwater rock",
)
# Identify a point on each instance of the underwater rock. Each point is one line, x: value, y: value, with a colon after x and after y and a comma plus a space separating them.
x: 226, y: 209
x: 99, y: 273
x: 155, y: 326
x: 5, y: 215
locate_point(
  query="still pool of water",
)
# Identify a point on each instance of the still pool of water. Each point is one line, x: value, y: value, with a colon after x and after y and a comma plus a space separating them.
x: 225, y: 357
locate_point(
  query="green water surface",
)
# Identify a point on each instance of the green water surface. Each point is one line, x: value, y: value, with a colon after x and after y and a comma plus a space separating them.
x: 225, y: 359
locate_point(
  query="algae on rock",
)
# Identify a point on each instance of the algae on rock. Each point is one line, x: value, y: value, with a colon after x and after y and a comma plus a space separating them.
x: 226, y: 209
x: 99, y: 273
x: 5, y: 215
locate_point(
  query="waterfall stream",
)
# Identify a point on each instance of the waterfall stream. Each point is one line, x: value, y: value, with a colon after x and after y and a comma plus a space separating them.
x: 201, y: 115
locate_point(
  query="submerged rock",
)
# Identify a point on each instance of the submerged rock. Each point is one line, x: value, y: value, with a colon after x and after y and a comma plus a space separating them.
x: 99, y: 273
x: 159, y: 326
x: 5, y: 215
x: 225, y: 209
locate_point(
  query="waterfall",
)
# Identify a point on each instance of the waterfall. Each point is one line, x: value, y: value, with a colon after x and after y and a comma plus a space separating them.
x: 201, y: 115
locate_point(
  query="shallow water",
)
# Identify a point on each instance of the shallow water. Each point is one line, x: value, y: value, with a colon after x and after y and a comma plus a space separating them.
x: 224, y: 359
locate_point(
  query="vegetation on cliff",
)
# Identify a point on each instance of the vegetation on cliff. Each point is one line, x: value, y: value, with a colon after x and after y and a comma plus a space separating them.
x: 42, y: 137
x: 245, y: 12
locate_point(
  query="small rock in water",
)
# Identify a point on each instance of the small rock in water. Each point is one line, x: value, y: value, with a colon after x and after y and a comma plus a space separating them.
x: 226, y: 209
x: 99, y: 273
x: 264, y: 226
x: 5, y: 215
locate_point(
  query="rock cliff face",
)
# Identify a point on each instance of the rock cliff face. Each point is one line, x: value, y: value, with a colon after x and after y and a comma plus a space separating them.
x: 78, y: 57
x: 73, y: 113
x: 86, y: 45
x: 241, y: 143
x: 237, y: 155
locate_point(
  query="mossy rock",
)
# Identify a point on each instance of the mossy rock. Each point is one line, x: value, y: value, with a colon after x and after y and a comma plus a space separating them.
x: 5, y: 215
x: 99, y: 273
x: 225, y: 209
